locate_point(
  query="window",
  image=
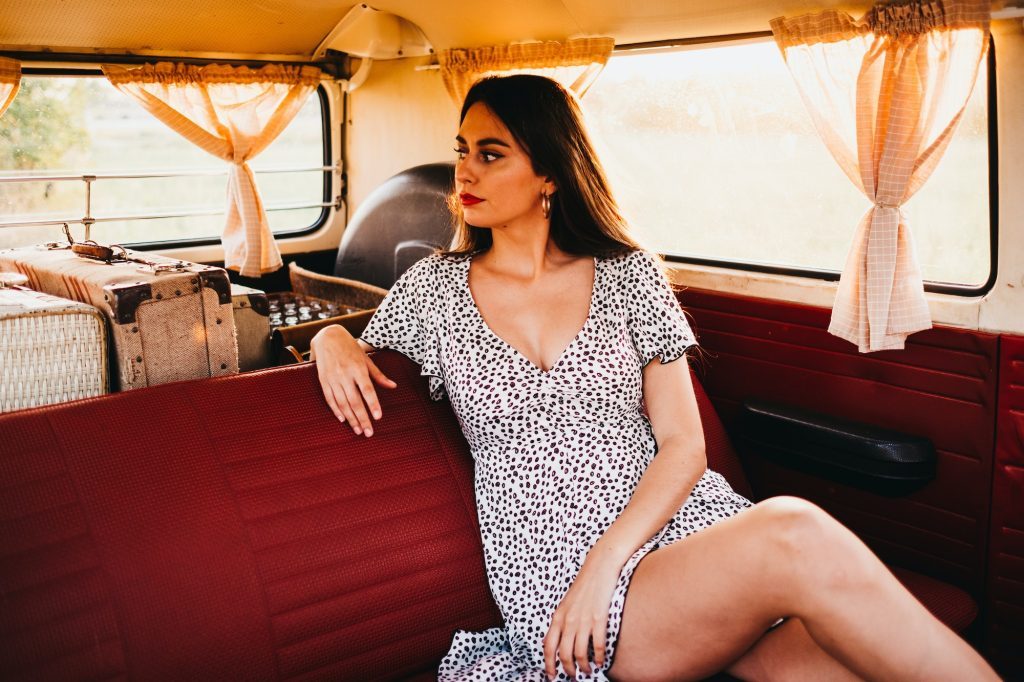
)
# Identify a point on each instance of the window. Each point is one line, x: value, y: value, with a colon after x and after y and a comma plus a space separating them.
x: 63, y: 127
x: 713, y: 156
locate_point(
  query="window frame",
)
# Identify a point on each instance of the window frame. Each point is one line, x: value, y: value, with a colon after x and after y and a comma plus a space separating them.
x: 88, y: 70
x: 961, y: 290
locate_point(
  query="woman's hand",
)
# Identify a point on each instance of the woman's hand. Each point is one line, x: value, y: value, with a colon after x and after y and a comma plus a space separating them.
x: 581, y: 616
x: 345, y: 373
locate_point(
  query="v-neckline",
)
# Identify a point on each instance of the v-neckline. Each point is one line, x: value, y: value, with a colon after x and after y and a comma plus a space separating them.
x: 528, y: 361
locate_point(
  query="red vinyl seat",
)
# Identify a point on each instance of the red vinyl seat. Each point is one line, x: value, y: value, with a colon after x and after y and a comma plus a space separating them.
x: 231, y: 528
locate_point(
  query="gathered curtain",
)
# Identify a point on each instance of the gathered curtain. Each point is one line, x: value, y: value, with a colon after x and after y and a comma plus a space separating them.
x: 574, y: 63
x: 233, y: 113
x: 10, y: 81
x: 886, y: 93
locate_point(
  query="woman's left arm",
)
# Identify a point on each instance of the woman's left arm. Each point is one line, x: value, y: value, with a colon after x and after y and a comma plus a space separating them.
x: 672, y: 474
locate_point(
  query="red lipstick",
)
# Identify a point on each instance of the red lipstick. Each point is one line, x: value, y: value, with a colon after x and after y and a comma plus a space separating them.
x: 468, y: 199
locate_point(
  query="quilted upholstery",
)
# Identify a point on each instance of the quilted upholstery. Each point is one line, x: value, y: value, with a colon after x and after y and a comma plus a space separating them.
x: 230, y: 528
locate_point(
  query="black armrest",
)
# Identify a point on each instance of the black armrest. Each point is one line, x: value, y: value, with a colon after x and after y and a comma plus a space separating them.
x: 880, y: 460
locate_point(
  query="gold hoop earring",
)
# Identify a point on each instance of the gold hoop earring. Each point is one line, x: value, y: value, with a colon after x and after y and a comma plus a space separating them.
x: 545, y: 204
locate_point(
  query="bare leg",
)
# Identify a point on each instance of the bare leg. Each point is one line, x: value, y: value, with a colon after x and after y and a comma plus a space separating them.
x: 698, y: 606
x: 789, y: 653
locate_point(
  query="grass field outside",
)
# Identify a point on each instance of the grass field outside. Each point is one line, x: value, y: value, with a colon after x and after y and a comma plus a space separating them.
x: 712, y: 154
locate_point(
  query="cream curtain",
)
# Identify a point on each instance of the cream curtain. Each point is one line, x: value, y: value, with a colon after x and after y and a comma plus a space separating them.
x: 886, y: 93
x: 10, y: 81
x: 233, y: 113
x: 575, y: 63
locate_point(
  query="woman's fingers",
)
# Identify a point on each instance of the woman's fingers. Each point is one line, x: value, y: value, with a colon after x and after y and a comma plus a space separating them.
x: 336, y: 397
x: 565, y: 650
x: 600, y: 638
x: 347, y: 378
x: 328, y: 391
x: 369, y: 393
x: 355, y: 402
x: 379, y: 376
x: 551, y: 640
x: 580, y: 649
x: 570, y: 644
x: 369, y: 396
x: 344, y: 412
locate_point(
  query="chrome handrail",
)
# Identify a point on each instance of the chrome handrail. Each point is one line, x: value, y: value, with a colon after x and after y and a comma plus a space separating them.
x: 7, y: 176
x: 88, y: 178
x: 151, y: 216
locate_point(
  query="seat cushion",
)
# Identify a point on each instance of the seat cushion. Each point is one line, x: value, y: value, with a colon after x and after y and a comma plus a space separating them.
x: 950, y: 604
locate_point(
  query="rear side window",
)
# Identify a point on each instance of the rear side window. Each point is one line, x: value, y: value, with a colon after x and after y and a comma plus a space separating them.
x: 713, y: 156
x: 60, y: 128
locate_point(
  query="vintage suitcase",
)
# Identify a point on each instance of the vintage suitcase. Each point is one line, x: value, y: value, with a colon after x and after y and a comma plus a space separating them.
x: 169, y: 320
x: 251, y: 311
x: 51, y: 349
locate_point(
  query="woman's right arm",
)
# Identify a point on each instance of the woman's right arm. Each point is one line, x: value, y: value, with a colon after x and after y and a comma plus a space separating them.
x: 347, y: 377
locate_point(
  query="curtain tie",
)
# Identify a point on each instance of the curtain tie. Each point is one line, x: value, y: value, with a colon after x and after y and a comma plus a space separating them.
x: 880, y: 204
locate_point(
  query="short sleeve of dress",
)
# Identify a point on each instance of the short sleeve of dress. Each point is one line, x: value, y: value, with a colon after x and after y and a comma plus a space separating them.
x: 656, y: 321
x: 403, y: 322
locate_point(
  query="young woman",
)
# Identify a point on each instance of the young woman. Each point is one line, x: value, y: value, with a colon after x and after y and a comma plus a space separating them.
x: 541, y: 325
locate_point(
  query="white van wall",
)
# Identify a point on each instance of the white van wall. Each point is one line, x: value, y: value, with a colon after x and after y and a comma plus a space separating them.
x: 399, y: 118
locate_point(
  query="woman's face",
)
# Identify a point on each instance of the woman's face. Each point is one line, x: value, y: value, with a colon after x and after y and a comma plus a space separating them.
x: 494, y: 177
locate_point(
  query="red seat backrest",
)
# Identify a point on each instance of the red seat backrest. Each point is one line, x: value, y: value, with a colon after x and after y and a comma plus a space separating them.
x: 721, y: 456
x: 233, y: 529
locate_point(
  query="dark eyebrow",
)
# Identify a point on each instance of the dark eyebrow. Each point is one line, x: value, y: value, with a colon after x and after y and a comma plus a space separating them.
x: 492, y: 141
x: 485, y: 141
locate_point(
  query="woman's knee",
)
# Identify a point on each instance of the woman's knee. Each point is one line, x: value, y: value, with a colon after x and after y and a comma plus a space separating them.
x: 794, y: 524
x: 811, y: 545
x: 796, y: 529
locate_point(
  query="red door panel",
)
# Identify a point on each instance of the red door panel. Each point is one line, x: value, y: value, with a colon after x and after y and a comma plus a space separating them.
x: 1006, y: 570
x: 942, y: 386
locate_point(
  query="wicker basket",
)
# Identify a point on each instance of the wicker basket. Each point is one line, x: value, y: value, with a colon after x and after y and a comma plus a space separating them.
x: 51, y: 350
x: 338, y: 289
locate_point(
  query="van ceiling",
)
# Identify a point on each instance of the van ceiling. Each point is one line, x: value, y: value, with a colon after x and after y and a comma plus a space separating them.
x: 292, y: 29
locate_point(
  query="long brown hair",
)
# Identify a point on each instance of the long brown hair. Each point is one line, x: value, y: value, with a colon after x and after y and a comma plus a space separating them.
x: 547, y: 123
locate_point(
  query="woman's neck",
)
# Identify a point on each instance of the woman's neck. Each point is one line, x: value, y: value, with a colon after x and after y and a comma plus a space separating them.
x: 525, y: 252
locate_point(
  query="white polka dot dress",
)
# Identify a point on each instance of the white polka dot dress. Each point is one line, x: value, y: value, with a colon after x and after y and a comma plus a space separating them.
x: 558, y: 453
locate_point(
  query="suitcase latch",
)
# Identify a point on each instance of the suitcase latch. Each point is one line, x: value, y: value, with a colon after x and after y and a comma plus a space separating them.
x: 161, y: 268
